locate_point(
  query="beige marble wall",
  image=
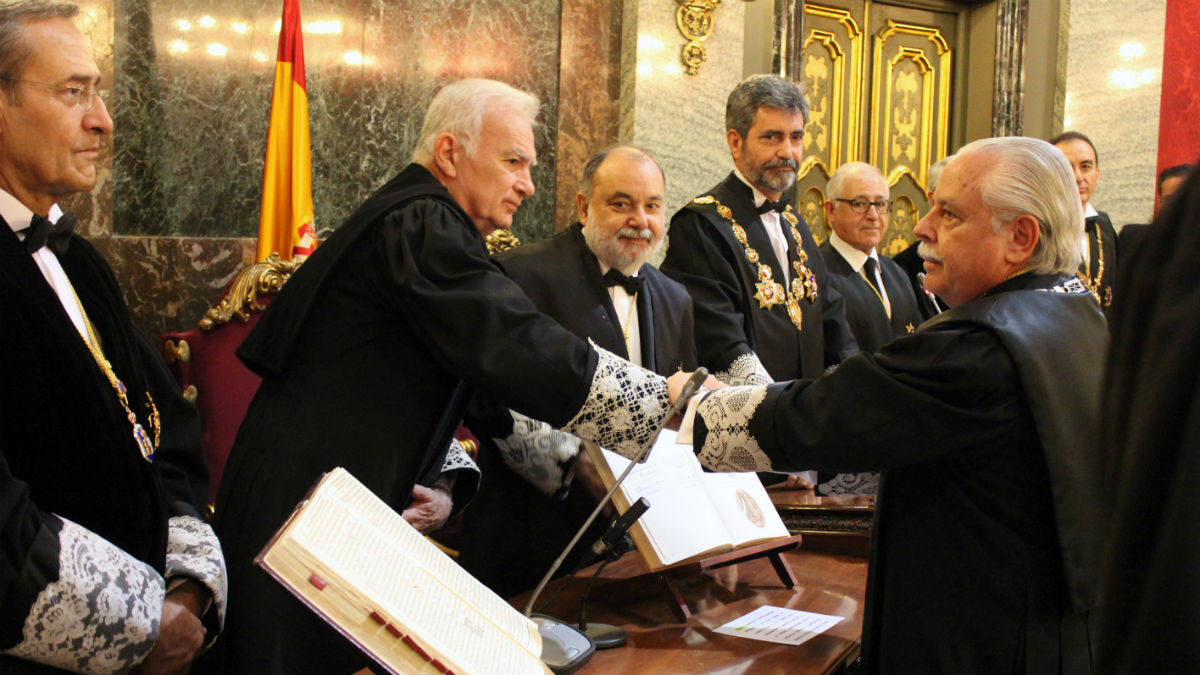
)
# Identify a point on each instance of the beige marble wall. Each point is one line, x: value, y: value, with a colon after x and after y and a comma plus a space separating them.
x: 1114, y: 82
x: 677, y: 116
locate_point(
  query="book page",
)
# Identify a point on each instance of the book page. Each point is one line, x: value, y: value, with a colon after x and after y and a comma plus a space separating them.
x: 744, y: 507
x: 681, y: 522
x: 351, y: 531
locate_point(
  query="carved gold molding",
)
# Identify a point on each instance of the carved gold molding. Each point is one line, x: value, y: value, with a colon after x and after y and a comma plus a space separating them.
x: 854, y: 34
x: 266, y: 276
x: 880, y: 133
x: 695, y: 21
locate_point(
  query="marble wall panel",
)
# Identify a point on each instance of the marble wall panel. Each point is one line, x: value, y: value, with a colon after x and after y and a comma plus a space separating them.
x: 680, y: 117
x: 169, y: 282
x: 1114, y: 82
x: 589, y: 92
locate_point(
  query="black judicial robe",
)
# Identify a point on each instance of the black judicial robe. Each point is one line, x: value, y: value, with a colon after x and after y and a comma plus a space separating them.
x: 368, y: 357
x: 512, y: 532
x: 1105, y: 253
x: 1150, y: 619
x: 865, y: 313
x: 707, y: 259
x: 984, y: 554
x: 66, y: 446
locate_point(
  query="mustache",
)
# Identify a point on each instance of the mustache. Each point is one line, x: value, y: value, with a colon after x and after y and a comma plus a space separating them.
x: 926, y: 252
x: 785, y: 163
x: 634, y: 233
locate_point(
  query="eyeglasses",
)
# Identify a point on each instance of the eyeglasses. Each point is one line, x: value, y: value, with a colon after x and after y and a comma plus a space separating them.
x: 72, y: 94
x: 861, y: 205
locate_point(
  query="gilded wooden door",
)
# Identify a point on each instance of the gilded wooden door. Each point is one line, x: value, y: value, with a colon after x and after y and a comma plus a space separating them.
x: 879, y: 78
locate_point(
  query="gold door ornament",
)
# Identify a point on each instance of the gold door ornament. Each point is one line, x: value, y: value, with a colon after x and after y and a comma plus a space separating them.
x: 695, y: 21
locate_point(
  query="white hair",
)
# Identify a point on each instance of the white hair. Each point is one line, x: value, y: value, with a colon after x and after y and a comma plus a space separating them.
x: 458, y: 109
x: 935, y: 173
x: 1028, y: 176
x: 833, y: 190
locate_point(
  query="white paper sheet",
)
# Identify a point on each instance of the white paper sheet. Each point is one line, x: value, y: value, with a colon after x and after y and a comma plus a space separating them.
x: 777, y: 624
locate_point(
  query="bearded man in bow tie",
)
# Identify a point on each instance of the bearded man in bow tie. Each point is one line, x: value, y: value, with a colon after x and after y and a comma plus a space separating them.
x: 594, y: 279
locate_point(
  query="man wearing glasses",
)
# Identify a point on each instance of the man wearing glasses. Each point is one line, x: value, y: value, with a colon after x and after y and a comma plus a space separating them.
x: 105, y: 562
x: 880, y: 304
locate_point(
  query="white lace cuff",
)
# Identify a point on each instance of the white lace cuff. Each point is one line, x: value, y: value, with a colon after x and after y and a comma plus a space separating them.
x: 538, y: 452
x: 100, y: 616
x: 850, y: 484
x: 624, y: 407
x: 194, y: 552
x: 457, y: 459
x: 729, y: 445
x: 745, y: 370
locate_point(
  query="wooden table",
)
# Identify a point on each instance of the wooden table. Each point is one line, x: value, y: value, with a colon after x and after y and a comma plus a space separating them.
x: 627, y: 596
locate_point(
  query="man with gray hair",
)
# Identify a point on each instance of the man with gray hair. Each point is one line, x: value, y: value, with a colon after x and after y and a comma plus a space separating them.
x: 106, y: 563
x: 984, y: 551
x: 880, y: 304
x: 764, y: 308
x: 371, y: 351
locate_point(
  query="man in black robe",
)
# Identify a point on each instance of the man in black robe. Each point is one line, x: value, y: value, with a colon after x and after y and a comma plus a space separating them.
x: 1100, y: 244
x: 764, y: 307
x: 984, y: 551
x: 592, y: 278
x: 880, y: 303
x: 106, y: 562
x: 1150, y: 619
x: 371, y: 351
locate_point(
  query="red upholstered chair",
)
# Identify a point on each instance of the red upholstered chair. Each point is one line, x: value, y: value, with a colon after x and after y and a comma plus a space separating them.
x: 209, y: 372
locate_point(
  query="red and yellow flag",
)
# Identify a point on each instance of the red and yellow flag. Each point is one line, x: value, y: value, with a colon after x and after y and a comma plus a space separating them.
x: 286, y: 222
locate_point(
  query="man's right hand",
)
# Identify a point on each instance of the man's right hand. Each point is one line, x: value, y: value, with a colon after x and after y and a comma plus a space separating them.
x: 180, y: 636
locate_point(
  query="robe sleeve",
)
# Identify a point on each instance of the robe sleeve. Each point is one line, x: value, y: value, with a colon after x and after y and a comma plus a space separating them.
x: 699, y: 258
x: 918, y: 398
x: 69, y: 598
x: 461, y: 473
x: 481, y: 326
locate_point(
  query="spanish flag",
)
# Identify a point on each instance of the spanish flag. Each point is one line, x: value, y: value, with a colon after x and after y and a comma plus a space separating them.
x: 285, y: 225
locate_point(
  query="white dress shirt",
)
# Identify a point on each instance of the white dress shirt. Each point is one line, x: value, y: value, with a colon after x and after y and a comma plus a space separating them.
x: 1089, y: 211
x: 858, y: 261
x: 625, y: 307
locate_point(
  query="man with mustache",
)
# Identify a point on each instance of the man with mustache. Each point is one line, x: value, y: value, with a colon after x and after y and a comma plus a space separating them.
x: 594, y: 279
x: 764, y: 307
x: 880, y: 303
x: 985, y: 549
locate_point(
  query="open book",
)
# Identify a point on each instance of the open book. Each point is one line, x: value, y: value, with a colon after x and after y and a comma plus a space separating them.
x: 693, y: 514
x: 375, y: 579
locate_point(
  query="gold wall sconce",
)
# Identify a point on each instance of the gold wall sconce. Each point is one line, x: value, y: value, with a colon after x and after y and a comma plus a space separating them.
x: 695, y: 21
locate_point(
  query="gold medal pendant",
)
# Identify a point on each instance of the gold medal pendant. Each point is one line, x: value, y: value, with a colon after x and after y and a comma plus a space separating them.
x: 769, y: 294
x: 794, y: 313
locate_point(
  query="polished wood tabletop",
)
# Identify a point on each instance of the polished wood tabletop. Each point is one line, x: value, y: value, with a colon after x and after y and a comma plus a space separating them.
x: 628, y: 596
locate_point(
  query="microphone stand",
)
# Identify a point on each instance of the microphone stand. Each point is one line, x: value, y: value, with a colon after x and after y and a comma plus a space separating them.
x: 565, y: 648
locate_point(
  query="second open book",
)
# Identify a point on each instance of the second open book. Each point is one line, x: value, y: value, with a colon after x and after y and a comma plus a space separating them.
x: 693, y: 514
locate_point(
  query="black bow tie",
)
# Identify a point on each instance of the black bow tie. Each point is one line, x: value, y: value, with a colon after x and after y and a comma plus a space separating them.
x: 613, y: 277
x: 1089, y: 224
x: 769, y: 205
x: 42, y: 232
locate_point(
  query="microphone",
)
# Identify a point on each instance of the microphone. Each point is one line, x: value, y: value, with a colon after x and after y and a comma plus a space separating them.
x: 563, y: 647
x: 932, y: 297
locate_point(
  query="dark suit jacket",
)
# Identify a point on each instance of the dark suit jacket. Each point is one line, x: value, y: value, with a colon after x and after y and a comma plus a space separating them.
x: 864, y: 311
x: 704, y: 256
x: 512, y: 532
